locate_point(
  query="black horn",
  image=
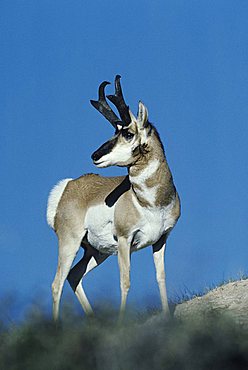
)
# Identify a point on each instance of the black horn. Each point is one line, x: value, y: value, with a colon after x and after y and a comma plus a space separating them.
x: 102, y: 106
x: 119, y: 102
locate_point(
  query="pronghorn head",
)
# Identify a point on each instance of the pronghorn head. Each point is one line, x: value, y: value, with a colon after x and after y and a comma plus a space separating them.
x: 131, y: 133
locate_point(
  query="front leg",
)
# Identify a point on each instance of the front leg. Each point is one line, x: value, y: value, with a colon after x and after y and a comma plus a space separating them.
x: 124, y: 267
x: 158, y: 256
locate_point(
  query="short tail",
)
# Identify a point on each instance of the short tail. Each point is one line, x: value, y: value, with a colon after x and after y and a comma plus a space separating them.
x: 53, y: 200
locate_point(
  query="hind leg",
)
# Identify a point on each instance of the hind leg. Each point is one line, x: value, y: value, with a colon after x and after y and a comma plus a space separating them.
x: 91, y: 259
x: 68, y: 248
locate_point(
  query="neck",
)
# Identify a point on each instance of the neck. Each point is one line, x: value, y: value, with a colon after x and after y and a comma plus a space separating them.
x: 150, y: 176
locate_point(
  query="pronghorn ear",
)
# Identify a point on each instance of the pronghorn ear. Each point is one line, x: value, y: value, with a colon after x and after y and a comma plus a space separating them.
x: 142, y: 115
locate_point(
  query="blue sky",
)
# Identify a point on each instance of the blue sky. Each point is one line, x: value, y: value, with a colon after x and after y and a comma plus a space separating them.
x: 188, y: 62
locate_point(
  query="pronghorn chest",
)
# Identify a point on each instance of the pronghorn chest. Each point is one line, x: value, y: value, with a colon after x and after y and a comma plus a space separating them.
x: 154, y: 218
x: 152, y: 224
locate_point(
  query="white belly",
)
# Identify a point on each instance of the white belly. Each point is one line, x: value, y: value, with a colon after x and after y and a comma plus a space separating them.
x: 100, y: 228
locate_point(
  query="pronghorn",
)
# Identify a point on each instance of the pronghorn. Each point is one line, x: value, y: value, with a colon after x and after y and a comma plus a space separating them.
x: 115, y: 215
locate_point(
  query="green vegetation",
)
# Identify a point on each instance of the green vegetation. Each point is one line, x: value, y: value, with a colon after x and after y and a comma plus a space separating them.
x: 142, y: 342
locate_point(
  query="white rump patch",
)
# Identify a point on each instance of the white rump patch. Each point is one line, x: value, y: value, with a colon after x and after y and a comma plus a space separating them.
x: 53, y: 200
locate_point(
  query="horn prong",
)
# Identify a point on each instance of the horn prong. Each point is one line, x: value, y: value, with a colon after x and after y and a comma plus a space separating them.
x: 118, y: 88
x: 101, y: 90
x: 103, y: 107
x: 118, y: 100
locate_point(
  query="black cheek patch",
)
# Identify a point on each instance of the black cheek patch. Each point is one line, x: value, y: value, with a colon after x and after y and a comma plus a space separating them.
x: 136, y: 150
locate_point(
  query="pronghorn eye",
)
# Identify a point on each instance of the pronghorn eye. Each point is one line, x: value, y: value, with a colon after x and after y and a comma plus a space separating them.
x: 127, y: 135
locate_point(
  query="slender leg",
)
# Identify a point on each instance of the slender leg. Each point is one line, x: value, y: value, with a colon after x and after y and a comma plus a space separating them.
x: 124, y: 267
x: 158, y: 256
x: 67, y: 251
x: 91, y: 259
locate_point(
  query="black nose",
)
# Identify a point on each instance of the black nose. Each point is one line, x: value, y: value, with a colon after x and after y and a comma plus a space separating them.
x: 104, y: 149
x: 95, y: 156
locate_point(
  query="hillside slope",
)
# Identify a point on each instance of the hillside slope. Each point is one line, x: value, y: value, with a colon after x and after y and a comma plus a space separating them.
x: 230, y: 299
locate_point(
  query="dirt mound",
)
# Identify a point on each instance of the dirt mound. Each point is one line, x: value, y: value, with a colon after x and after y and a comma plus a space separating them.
x: 230, y: 299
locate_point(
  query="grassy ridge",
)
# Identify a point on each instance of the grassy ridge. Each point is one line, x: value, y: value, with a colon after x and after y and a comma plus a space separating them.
x: 141, y: 342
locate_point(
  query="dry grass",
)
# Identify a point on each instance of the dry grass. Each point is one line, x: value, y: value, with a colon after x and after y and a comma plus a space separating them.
x: 141, y: 342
